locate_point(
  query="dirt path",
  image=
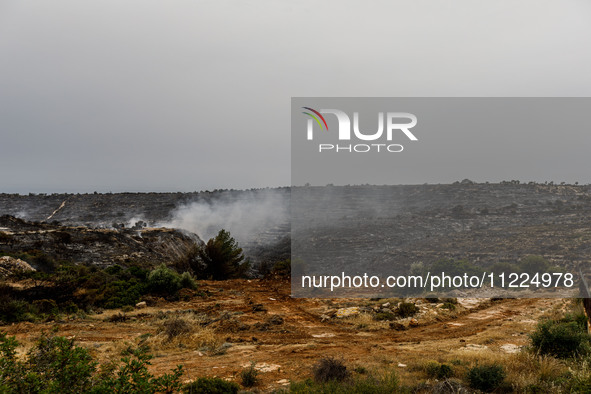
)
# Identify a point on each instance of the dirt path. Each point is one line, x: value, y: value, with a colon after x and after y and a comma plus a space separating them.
x: 288, y: 351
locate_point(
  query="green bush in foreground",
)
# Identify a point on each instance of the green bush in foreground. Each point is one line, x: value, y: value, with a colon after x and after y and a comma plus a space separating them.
x: 486, y: 377
x: 56, y: 365
x: 563, y: 338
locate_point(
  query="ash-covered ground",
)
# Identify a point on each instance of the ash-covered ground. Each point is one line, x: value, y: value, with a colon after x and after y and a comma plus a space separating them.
x: 483, y: 223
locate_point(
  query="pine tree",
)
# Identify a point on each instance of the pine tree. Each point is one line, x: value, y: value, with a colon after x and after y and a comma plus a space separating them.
x: 221, y: 258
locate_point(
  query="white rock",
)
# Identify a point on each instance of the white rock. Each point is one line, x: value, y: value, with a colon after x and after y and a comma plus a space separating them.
x: 510, y: 348
x: 346, y: 312
x: 325, y: 335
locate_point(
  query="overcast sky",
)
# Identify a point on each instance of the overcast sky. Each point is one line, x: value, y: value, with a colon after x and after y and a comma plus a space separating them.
x: 193, y: 95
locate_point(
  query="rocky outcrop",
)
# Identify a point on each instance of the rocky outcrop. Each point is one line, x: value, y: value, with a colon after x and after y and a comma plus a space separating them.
x: 10, y: 266
x: 101, y: 247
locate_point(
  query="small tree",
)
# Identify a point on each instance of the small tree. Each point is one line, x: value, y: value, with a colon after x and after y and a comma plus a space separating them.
x: 221, y: 258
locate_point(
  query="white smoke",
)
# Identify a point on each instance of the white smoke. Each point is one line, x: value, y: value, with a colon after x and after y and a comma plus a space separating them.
x: 245, y: 215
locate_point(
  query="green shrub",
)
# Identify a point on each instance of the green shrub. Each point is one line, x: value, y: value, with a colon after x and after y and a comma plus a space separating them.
x: 438, y: 371
x: 384, y: 316
x: 563, y: 339
x: 60, y: 365
x: 407, y: 309
x: 329, y: 369
x: 17, y: 310
x: 118, y: 293
x: 486, y: 377
x: 211, y: 386
x: 127, y: 308
x: 71, y: 308
x: 449, y: 305
x: 48, y: 307
x: 187, y: 281
x: 282, y: 268
x: 132, y: 376
x: 248, y: 376
x: 534, y: 264
x: 163, y: 280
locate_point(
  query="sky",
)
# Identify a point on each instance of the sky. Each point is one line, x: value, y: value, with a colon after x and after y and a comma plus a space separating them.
x: 195, y: 95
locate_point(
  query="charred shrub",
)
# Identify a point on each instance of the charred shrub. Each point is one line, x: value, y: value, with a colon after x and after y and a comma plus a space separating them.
x: 330, y: 369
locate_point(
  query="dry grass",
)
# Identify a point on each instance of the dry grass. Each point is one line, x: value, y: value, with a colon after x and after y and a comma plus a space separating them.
x: 189, y: 335
x: 366, y: 322
x: 523, y: 369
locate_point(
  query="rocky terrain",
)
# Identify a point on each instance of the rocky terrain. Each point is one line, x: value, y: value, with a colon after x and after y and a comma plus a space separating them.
x: 385, y: 229
x: 100, y: 247
x: 257, y: 218
x: 239, y: 322
x: 232, y: 324
x: 371, y: 226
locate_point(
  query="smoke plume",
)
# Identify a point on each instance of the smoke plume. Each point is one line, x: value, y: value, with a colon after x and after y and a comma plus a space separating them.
x: 246, y: 215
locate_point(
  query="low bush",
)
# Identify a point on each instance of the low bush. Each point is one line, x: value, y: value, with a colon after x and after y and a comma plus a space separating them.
x: 249, y: 376
x: 384, y: 316
x: 407, y: 309
x: 282, y: 268
x: 175, y: 327
x: 563, y: 338
x: 211, y: 386
x: 17, y: 310
x: 163, y: 280
x: 438, y: 371
x: 72, y: 287
x: 187, y: 281
x: 534, y: 264
x: 486, y: 377
x: 330, y: 369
